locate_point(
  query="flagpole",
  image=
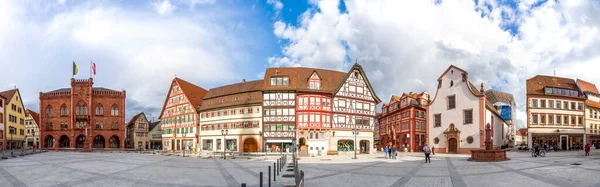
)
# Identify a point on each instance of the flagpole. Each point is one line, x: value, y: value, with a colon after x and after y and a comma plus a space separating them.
x: 90, y: 68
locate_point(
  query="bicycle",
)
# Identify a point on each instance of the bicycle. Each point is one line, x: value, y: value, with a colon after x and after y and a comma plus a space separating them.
x: 541, y: 152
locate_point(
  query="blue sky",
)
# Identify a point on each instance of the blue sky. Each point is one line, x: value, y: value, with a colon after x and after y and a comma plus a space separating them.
x: 139, y: 46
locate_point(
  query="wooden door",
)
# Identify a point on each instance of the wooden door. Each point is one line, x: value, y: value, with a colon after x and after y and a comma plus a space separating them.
x: 250, y: 145
x: 452, y: 145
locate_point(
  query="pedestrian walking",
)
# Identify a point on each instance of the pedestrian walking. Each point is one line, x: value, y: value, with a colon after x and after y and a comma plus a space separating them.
x: 390, y: 151
x: 587, y: 149
x: 427, y: 150
x: 394, y: 152
x: 433, y: 150
x: 385, y: 151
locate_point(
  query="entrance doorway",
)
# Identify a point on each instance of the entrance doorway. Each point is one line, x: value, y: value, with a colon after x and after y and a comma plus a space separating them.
x: 250, y: 145
x: 79, y: 141
x: 452, y: 145
x: 563, y: 143
x: 364, y: 146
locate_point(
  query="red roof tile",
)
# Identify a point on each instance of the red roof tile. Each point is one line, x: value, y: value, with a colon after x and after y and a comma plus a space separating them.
x: 8, y: 94
x: 34, y: 115
x: 587, y: 86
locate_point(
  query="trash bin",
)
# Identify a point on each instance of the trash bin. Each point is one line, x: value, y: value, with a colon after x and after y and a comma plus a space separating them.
x: 194, y: 149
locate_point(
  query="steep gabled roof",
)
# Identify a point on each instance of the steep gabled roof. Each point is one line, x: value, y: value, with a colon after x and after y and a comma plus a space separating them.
x: 587, y: 86
x: 34, y: 115
x: 152, y: 125
x: 452, y: 66
x: 135, y: 118
x: 8, y: 94
x: 366, y: 79
x: 193, y: 93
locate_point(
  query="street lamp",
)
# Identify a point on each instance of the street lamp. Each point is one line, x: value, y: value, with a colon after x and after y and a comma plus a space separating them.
x: 11, y: 130
x: 355, y: 132
x: 224, y: 132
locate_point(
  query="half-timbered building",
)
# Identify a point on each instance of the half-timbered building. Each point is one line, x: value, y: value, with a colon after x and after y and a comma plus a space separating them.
x: 179, y: 116
x: 354, y: 103
x: 237, y: 109
x: 279, y: 109
x: 314, y: 102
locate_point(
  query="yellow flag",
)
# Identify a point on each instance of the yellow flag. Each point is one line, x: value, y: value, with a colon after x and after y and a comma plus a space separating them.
x: 75, y: 68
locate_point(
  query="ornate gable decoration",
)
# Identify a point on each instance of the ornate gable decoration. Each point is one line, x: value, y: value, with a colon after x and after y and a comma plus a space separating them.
x: 451, y: 130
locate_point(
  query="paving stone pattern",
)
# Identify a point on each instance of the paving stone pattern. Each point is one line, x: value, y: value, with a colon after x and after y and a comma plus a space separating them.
x: 132, y: 169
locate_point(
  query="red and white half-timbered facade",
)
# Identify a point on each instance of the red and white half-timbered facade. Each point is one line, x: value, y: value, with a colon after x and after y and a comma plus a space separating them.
x: 354, y: 104
x: 179, y: 116
x: 279, y: 112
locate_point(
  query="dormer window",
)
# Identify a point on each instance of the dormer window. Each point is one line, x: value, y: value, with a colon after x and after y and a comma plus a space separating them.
x: 314, y: 82
x: 280, y: 81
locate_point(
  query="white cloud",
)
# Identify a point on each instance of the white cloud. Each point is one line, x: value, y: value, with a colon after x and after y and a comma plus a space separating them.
x: 164, y: 8
x: 138, y: 51
x: 277, y: 5
x: 192, y: 3
x: 405, y: 45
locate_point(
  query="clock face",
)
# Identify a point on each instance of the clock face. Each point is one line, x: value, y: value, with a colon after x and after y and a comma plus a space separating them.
x: 81, y: 93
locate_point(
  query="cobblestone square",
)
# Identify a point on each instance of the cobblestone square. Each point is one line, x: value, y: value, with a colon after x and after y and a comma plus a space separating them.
x: 134, y: 169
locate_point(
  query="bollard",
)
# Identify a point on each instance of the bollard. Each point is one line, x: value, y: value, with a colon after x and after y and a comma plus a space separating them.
x: 260, y: 181
x: 269, y: 181
x: 243, y: 184
x: 277, y: 170
x: 274, y: 172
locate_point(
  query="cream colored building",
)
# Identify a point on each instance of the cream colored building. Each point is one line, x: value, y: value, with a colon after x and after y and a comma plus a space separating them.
x: 14, y: 117
x: 138, y: 133
x: 555, y: 112
x: 237, y: 110
x: 459, y: 114
x: 32, y: 136
x: 592, y: 111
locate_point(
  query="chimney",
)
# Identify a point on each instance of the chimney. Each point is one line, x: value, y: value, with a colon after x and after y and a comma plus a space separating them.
x: 243, y: 80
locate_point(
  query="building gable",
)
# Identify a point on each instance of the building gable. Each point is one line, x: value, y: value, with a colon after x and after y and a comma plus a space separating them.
x: 356, y: 79
x: 191, y: 94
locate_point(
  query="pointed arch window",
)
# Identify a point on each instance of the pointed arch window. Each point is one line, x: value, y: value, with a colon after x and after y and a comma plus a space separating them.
x: 49, y: 111
x: 81, y: 109
x: 114, y: 110
x: 64, y: 111
x: 99, y: 110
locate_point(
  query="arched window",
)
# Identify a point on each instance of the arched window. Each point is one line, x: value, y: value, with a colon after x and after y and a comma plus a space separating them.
x: 114, y: 111
x: 81, y: 108
x: 99, y: 110
x: 451, y: 83
x: 64, y: 111
x: 49, y: 111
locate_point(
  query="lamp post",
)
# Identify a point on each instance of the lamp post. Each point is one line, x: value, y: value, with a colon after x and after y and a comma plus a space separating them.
x: 355, y: 132
x: 224, y: 132
x: 11, y: 131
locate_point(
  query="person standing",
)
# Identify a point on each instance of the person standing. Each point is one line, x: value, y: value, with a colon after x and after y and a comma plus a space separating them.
x: 385, y: 151
x: 433, y: 150
x: 390, y: 151
x: 587, y: 149
x: 427, y: 150
x: 394, y: 152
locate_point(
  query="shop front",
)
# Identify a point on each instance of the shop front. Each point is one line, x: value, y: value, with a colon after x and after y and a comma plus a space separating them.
x: 278, y: 145
x: 559, y: 141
